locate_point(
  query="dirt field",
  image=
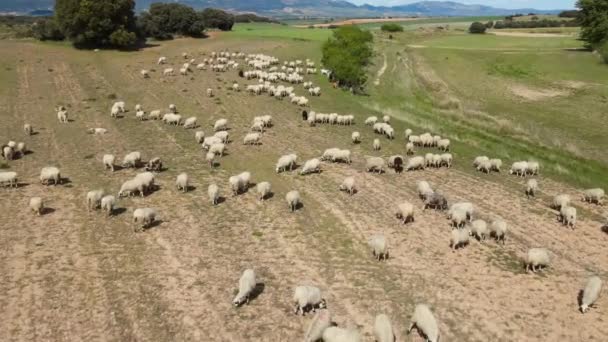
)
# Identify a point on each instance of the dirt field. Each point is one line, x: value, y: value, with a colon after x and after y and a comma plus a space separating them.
x: 361, y: 21
x: 73, y: 275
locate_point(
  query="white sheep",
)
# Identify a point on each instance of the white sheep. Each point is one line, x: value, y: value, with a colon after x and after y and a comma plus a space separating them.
x: 533, y: 168
x: 371, y: 120
x: 108, y: 161
x: 247, y: 284
x: 591, y: 293
x: 223, y: 136
x: 154, y: 115
x: 21, y: 149
x: 318, y: 325
x: 94, y: 199
x: 443, y: 144
x: 285, y: 162
x: 145, y: 216
x: 458, y: 217
x: 210, y: 159
x: 499, y: 229
x: 376, y: 145
x: 459, y: 238
x: 27, y: 129
x: 479, y: 229
x: 209, y: 92
x: 424, y: 189
x: 355, y: 137
x: 348, y: 185
x: 293, y: 200
x: 217, y: 149
x: 190, y: 122
x: 264, y: 190
x: 446, y: 160
x: 536, y: 259
x: 383, y: 329
x: 467, y: 207
x: 531, y: 187
x: 405, y: 212
x: 235, y: 87
x: 162, y: 60
x: 209, y: 141
x: 168, y: 72
x: 62, y: 116
x: 37, y: 205
x: 560, y: 201
x: 375, y: 164
x: 335, y: 334
x: 386, y: 119
x: 306, y: 297
x: 240, y: 182
x: 141, y: 115
x: 107, y: 204
x: 214, y: 193
x: 8, y: 178
x: 182, y: 182
x: 144, y: 73
x: 310, y: 166
x: 220, y: 125
x: 567, y: 216
x: 252, y: 138
x: 130, y: 187
x: 484, y: 166
x: 519, y: 168
x: 415, y: 163
x: 426, y: 324
x: 199, y: 136
x: 132, y: 159
x: 49, y: 173
x: 120, y: 105
x: 379, y: 246
x: 594, y: 195
x: 480, y: 159
x: 172, y: 119
x: 495, y: 164
x: 172, y: 108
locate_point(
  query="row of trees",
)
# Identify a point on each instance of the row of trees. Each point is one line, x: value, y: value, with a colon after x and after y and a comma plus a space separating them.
x: 593, y: 17
x: 347, y: 53
x: 112, y: 23
x: 504, y: 24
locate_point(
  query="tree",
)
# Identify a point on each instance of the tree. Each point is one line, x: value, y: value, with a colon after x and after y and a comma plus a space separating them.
x: 215, y: 18
x: 346, y: 54
x: 593, y: 17
x: 490, y: 24
x: 477, y: 28
x: 603, y: 51
x: 47, y: 29
x: 569, y: 14
x: 392, y: 28
x: 90, y: 23
x: 163, y: 20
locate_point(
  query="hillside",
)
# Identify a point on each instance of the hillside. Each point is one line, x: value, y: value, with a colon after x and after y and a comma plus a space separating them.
x: 322, y: 8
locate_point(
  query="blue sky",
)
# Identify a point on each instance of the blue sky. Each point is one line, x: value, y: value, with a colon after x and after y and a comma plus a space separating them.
x: 538, y: 4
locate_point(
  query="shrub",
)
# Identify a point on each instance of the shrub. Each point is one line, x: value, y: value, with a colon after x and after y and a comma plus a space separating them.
x: 603, y: 51
x: 391, y: 28
x: 346, y: 54
x: 47, y: 29
x: 477, y: 28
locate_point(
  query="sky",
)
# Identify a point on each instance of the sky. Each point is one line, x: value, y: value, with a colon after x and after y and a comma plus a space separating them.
x: 538, y: 4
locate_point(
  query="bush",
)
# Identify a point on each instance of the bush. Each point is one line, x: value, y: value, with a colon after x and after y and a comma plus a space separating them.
x: 603, y: 51
x: 477, y: 28
x: 569, y: 14
x: 346, y: 54
x: 47, y: 29
x: 391, y: 28
x: 122, y: 38
x: 215, y: 18
x: 593, y: 17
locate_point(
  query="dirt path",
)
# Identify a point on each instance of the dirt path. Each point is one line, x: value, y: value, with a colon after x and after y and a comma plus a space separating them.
x: 381, y: 72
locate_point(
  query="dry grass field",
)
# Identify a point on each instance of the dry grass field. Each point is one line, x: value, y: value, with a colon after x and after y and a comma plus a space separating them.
x: 74, y: 275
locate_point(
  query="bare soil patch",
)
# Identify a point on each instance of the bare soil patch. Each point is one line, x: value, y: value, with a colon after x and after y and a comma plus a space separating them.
x: 532, y: 94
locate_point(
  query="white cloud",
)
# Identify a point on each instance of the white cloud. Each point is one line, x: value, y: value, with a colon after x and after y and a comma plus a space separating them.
x: 538, y: 4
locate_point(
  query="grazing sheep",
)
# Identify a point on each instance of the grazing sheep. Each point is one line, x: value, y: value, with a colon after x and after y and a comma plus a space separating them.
x: 495, y: 164
x: 499, y: 229
x: 62, y: 116
x: 36, y: 205
x: 8, y: 153
x: 467, y: 207
x: 172, y: 119
x: 168, y: 72
x: 94, y: 199
x: 446, y: 160
x: 409, y: 149
x: 107, y: 204
x: 436, y: 201
x: 235, y: 87
x: 519, y: 168
x: 479, y: 229
x: 285, y: 162
x: 396, y: 162
x: 49, y: 173
x: 154, y: 115
x: 386, y: 119
x: 458, y: 217
x: 182, y: 182
x: 533, y: 168
x: 210, y: 158
x: 379, y: 246
x: 415, y: 163
x: 424, y: 189
x: 479, y: 160
x: 172, y: 108
x: 459, y: 238
x: 594, y: 195
x: 120, y: 105
x: 239, y: 183
x: 310, y: 166
x: 531, y: 188
x: 425, y: 322
x: 8, y: 178
x: 567, y: 215
x: 220, y: 125
x: 154, y: 164
x: 591, y: 293
x: 370, y: 121
x: 209, y: 141
x: 264, y: 190
x: 355, y: 137
x: 560, y: 201
x: 141, y: 115
x: 293, y: 200
x: 132, y: 160
x: 484, y: 166
x: 162, y: 60
x: 335, y: 334
x: 223, y: 136
x: 405, y: 212
x: 146, y: 179
x: 537, y: 259
x: 247, y: 284
x: 383, y: 329
x: 209, y: 92
x: 318, y: 325
x: 252, y: 139
x: 444, y: 144
x: 348, y: 185
x: 190, y: 122
x: 375, y: 164
x: 145, y: 216
x: 97, y: 131
x: 214, y: 193
x: 408, y: 132
x: 108, y: 161
x: 199, y: 136
x: 376, y: 145
x: 21, y: 149
x: 144, y: 73
x: 308, y: 297
x: 130, y: 187
x: 217, y: 149
x: 27, y: 129
x: 138, y: 107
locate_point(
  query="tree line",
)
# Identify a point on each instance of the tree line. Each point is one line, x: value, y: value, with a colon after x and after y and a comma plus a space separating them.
x: 113, y: 23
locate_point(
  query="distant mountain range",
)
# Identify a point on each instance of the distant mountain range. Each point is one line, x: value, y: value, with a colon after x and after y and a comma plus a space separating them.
x: 310, y: 8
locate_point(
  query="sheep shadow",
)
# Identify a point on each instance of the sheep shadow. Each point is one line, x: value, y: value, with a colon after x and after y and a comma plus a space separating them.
x: 605, y: 228
x: 152, y: 225
x: 34, y: 133
x: 190, y: 188
x: 268, y: 196
x: 27, y: 153
x: 22, y: 185
x: 221, y: 199
x: 579, y: 297
x: 257, y: 291
x: 152, y: 189
x: 47, y: 211
x: 299, y: 206
x: 118, y: 211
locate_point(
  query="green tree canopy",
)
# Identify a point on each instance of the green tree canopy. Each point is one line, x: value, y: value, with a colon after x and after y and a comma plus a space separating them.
x: 91, y: 23
x: 477, y: 28
x: 391, y: 27
x: 593, y: 17
x: 346, y: 54
x: 163, y: 20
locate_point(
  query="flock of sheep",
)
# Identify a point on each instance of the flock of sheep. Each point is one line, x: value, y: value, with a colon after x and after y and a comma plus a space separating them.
x: 269, y: 71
